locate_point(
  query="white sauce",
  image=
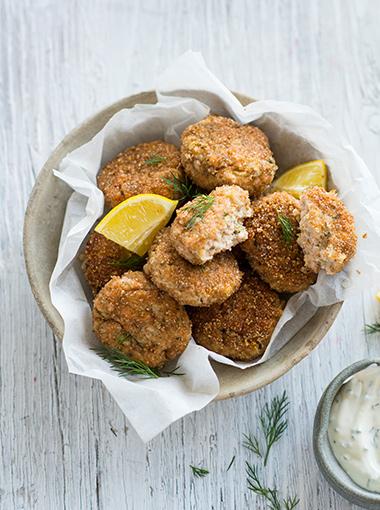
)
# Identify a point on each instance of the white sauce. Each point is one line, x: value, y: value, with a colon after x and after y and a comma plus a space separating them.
x: 354, y: 428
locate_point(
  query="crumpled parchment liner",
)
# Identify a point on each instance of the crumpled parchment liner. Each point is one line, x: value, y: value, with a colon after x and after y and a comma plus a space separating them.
x: 187, y: 91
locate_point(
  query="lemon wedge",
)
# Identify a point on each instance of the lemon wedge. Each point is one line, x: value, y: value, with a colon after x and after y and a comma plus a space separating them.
x: 296, y: 180
x: 135, y: 222
x: 378, y: 296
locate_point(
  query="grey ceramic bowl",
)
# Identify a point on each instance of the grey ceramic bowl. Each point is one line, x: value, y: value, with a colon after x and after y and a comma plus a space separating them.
x: 42, y: 230
x: 327, y: 463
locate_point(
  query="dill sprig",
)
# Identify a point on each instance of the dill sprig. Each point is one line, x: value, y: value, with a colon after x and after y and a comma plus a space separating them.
x: 124, y: 337
x: 230, y: 464
x: 372, y: 328
x: 199, y: 472
x: 273, y: 422
x: 198, y: 207
x: 287, y: 228
x: 252, y: 443
x: 291, y: 502
x: 133, y: 262
x: 185, y: 189
x: 271, y: 495
x: 255, y: 485
x: 126, y: 366
x: 155, y: 159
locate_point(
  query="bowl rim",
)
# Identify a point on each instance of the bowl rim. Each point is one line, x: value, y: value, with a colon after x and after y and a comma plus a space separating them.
x: 68, y: 144
x: 329, y: 466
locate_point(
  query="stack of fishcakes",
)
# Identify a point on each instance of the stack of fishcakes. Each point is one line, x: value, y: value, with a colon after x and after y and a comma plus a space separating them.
x: 231, y: 254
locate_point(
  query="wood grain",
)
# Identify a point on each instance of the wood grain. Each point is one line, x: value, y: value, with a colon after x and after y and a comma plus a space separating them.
x: 64, y: 442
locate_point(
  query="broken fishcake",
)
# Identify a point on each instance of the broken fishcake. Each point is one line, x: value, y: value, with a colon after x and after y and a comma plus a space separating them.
x: 327, y: 231
x: 211, y: 224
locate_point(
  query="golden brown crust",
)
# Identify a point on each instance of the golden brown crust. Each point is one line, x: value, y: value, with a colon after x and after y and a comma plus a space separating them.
x: 218, y: 150
x: 100, y: 261
x: 211, y: 283
x: 129, y: 173
x: 327, y: 231
x: 130, y: 314
x: 279, y: 263
x: 242, y: 326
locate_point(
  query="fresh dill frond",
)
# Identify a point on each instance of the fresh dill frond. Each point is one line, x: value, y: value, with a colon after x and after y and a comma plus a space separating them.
x: 124, y: 338
x: 126, y: 366
x: 291, y: 503
x: 271, y: 495
x: 155, y: 159
x: 372, y: 328
x: 273, y: 422
x: 198, y: 208
x: 199, y: 472
x: 168, y: 373
x: 133, y: 262
x: 255, y: 485
x: 185, y: 189
x: 252, y: 443
x: 230, y: 464
x: 287, y: 228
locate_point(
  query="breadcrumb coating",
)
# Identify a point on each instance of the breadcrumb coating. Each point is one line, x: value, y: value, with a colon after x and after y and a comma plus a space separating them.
x: 280, y: 263
x: 218, y: 229
x: 130, y: 314
x: 217, y: 150
x: 141, y: 169
x: 242, y: 326
x: 100, y: 261
x: 327, y: 231
x: 211, y: 283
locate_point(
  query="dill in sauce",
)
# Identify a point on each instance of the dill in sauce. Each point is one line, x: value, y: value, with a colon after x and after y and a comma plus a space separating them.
x: 354, y: 428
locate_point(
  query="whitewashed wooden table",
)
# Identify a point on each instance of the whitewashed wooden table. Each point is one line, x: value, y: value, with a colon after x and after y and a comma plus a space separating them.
x: 64, y: 442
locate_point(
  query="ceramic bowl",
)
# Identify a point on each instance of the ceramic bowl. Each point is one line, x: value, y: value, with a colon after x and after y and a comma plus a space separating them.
x: 327, y: 463
x: 42, y: 230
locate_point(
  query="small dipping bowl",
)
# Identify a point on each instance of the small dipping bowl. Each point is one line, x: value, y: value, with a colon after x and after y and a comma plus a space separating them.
x: 327, y: 463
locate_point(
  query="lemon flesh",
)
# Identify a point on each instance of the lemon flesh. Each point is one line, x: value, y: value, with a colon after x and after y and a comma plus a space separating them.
x: 135, y: 222
x: 378, y: 296
x: 296, y: 180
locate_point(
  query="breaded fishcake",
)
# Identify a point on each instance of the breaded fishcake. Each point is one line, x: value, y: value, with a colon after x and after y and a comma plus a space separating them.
x: 273, y: 252
x: 218, y: 150
x: 133, y: 316
x: 213, y: 282
x: 210, y: 224
x: 327, y: 231
x: 102, y: 259
x: 141, y: 169
x: 241, y: 327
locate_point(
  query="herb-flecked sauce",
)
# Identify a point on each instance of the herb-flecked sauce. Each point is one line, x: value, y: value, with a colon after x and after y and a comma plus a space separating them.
x: 354, y: 427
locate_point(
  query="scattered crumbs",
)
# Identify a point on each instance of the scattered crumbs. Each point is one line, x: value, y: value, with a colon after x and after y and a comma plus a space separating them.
x: 365, y: 235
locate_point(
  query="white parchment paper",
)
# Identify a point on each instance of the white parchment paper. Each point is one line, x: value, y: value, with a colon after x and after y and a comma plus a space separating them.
x: 187, y: 91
